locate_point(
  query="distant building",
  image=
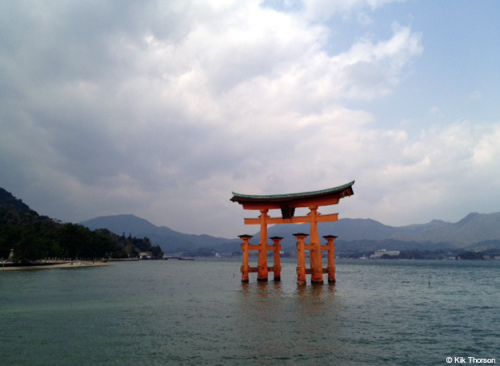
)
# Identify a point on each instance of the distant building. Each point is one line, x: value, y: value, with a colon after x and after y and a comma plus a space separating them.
x: 145, y: 255
x: 381, y: 252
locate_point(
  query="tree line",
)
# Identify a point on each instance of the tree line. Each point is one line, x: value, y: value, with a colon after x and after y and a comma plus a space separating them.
x: 34, y: 237
x: 37, y: 241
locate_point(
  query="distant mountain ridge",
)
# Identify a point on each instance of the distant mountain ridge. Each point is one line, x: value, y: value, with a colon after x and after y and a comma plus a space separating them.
x: 473, y: 229
x: 169, y: 240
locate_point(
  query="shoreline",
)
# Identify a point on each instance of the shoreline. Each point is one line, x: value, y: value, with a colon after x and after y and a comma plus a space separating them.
x: 64, y: 265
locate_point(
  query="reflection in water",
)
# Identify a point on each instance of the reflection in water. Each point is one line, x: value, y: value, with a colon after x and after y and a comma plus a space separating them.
x: 281, y: 320
x: 277, y: 289
x: 315, y: 290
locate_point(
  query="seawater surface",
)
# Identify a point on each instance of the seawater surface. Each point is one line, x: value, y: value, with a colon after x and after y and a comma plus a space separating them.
x: 199, y: 313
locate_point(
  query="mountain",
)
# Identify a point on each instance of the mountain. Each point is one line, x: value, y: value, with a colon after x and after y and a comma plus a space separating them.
x: 26, y: 237
x: 358, y: 235
x: 347, y: 229
x: 15, y: 211
x: 170, y: 241
x: 351, y: 231
x: 353, y: 234
x: 473, y: 230
x: 9, y: 202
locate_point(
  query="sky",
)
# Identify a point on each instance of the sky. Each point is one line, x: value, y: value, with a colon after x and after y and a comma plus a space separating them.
x: 161, y: 109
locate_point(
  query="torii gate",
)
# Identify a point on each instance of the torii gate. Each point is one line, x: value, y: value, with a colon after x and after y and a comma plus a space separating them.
x: 287, y: 203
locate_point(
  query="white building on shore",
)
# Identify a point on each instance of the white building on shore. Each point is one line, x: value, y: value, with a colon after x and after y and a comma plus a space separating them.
x: 381, y: 252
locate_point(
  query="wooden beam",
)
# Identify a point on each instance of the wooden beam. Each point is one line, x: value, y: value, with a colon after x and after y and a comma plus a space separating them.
x: 293, y: 220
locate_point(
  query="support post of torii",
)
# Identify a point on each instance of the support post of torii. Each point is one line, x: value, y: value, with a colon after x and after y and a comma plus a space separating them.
x: 315, y: 251
x: 245, y: 268
x: 330, y: 247
x: 277, y: 261
x: 287, y: 203
x: 263, y: 270
x: 301, y: 258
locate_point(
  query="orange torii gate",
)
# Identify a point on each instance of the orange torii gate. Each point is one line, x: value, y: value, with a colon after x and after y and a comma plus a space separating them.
x: 287, y: 203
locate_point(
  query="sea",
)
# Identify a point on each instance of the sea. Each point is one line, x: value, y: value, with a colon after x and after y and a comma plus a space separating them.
x: 174, y: 312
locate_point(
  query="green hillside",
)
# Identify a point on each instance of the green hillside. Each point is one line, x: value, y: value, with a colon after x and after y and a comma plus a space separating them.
x: 34, y: 237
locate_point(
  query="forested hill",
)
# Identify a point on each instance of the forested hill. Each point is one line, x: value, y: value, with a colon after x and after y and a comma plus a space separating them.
x: 15, y: 211
x: 35, y: 237
x: 8, y: 201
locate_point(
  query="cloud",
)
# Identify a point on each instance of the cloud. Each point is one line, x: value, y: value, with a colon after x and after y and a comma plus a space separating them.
x: 163, y: 108
x: 324, y: 10
x: 444, y: 168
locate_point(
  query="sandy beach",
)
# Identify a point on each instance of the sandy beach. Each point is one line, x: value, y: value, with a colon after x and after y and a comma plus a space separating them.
x: 64, y: 265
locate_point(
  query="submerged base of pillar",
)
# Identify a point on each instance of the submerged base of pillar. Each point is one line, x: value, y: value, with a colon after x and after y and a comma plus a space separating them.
x: 277, y: 279
x: 317, y: 282
x: 245, y: 280
x: 262, y: 279
x: 301, y: 282
x: 331, y: 281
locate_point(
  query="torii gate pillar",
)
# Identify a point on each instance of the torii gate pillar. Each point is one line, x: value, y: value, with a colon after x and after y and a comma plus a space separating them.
x: 263, y: 270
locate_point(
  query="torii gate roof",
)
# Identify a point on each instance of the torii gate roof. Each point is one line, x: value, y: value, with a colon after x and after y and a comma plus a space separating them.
x: 322, y: 197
